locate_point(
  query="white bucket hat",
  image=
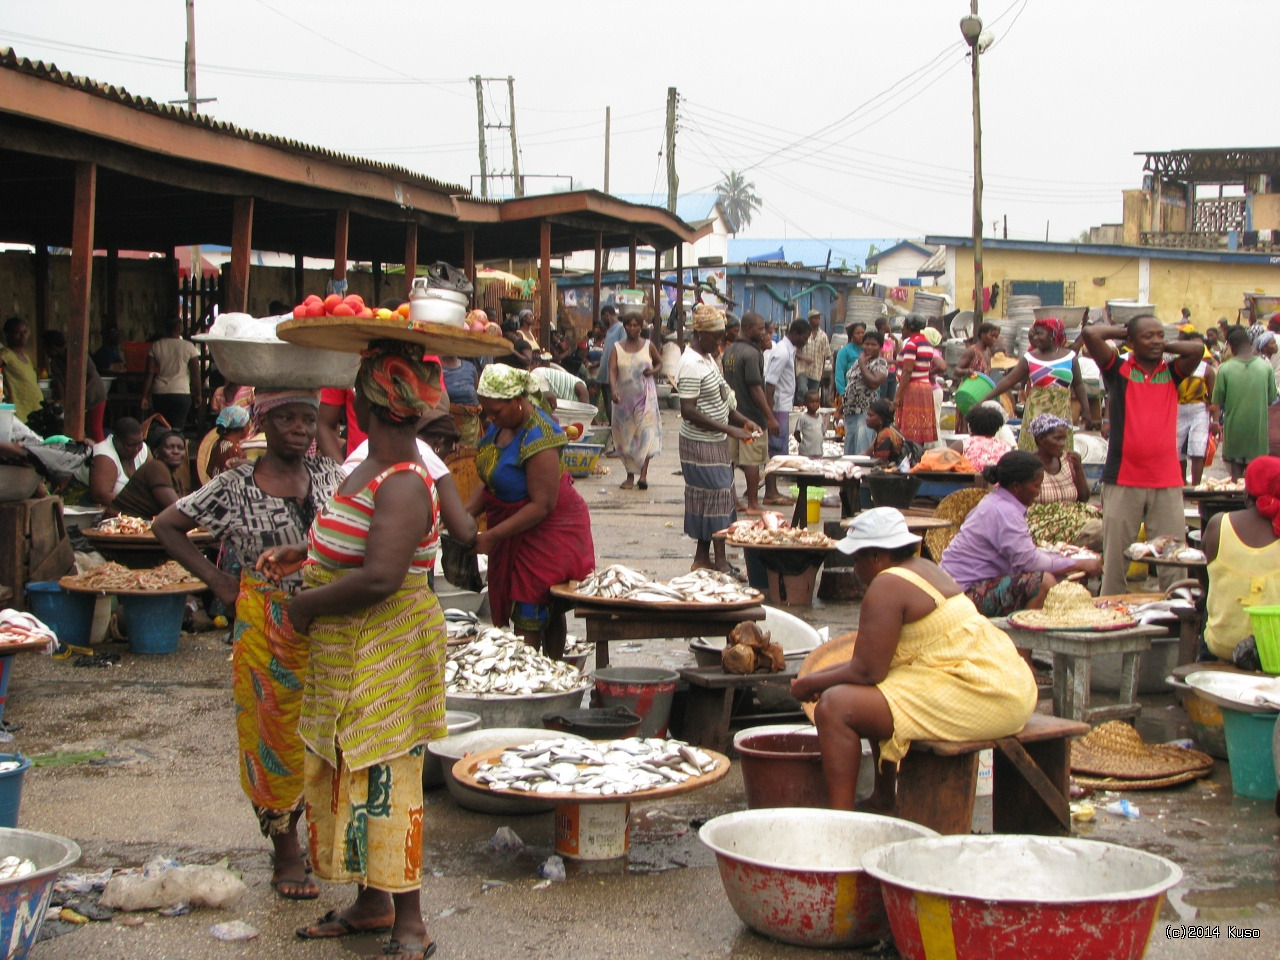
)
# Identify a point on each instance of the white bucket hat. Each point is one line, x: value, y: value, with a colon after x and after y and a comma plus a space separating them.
x: 882, y: 527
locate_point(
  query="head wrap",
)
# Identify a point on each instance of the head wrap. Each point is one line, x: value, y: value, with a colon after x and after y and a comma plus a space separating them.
x: 1262, y: 340
x: 265, y: 401
x: 1187, y: 328
x: 233, y: 418
x: 1057, y: 332
x: 1045, y: 423
x: 395, y: 378
x: 502, y: 382
x: 933, y: 336
x: 1262, y: 482
x: 707, y: 318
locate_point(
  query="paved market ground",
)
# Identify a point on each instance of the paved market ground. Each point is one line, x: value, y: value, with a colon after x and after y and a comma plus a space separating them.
x: 167, y: 786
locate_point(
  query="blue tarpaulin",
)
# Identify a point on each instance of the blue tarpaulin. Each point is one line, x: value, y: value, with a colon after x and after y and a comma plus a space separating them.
x: 771, y: 255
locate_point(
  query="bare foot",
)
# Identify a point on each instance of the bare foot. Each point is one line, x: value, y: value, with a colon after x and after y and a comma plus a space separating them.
x: 292, y: 879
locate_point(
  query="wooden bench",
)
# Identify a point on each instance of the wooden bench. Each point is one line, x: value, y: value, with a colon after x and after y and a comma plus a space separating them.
x: 709, y: 707
x: 606, y: 625
x: 937, y: 780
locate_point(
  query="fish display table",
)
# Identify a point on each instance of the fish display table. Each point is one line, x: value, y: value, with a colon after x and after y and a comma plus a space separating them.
x: 792, y: 568
x: 1073, y: 652
x: 606, y: 625
x: 850, y: 492
x: 590, y: 827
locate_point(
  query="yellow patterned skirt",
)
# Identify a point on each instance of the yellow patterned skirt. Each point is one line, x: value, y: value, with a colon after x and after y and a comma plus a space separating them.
x: 365, y: 826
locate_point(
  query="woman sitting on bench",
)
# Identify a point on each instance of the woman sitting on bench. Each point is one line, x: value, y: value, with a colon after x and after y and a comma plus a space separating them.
x: 927, y: 665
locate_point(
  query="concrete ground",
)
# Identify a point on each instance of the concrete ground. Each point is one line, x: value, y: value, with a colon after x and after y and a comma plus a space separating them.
x: 168, y: 786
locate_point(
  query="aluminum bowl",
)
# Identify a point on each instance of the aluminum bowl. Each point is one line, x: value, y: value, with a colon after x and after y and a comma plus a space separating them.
x: 18, y: 481
x: 497, y: 710
x: 452, y: 749
x: 457, y: 722
x: 261, y: 363
x: 439, y: 306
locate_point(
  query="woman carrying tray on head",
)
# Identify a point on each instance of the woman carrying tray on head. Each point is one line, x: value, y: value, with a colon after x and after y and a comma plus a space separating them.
x: 926, y: 666
x: 539, y: 528
x: 252, y: 507
x: 993, y: 557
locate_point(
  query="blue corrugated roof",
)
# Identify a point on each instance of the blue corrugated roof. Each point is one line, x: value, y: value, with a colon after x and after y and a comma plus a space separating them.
x: 848, y: 252
x: 690, y: 207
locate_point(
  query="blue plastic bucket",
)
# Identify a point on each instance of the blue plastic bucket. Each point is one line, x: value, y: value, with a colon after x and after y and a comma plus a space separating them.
x: 24, y: 900
x: 154, y: 622
x: 6, y: 668
x: 1253, y: 768
x: 11, y: 789
x: 69, y: 615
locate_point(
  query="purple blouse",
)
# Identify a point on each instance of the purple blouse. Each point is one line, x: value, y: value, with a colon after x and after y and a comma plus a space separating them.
x: 994, y: 542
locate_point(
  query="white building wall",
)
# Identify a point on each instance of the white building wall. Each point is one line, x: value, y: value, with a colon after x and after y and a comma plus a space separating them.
x: 896, y: 267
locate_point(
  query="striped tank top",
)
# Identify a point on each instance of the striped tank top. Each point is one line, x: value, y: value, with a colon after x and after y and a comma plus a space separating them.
x: 341, y: 528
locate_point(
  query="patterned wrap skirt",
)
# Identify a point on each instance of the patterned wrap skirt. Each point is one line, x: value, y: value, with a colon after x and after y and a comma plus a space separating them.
x: 915, y: 418
x: 708, y: 487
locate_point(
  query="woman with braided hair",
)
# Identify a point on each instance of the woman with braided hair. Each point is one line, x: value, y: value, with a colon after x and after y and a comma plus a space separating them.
x: 374, y: 693
x: 1243, y: 549
x: 539, y: 528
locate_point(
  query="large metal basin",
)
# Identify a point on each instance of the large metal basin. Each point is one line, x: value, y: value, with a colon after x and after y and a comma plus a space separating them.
x: 261, y: 363
x: 452, y: 749
x: 456, y: 721
x: 24, y: 900
x: 502, y: 711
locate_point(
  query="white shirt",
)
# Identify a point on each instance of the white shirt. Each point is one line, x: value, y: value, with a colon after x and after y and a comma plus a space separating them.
x: 780, y: 371
x: 108, y: 449
x: 435, y: 466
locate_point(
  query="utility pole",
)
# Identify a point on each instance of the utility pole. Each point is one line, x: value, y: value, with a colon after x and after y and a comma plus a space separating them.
x: 515, y: 146
x: 606, y: 149
x: 189, y: 60
x: 971, y: 30
x: 484, y: 158
x: 673, y: 181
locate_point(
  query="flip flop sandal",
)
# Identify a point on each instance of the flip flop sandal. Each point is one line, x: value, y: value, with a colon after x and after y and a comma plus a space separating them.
x: 348, y: 928
x: 394, y: 947
x: 275, y: 885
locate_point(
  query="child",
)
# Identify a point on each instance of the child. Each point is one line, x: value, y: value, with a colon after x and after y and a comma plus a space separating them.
x: 809, y: 427
x: 232, y: 426
x: 983, y: 447
x: 888, y: 444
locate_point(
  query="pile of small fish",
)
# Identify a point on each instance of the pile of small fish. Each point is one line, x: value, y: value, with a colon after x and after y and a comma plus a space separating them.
x: 460, y: 623
x: 498, y: 663
x: 701, y: 586
x: 1064, y: 549
x: 829, y: 469
x: 1164, y: 548
x: 11, y: 868
x: 564, y: 765
x: 770, y: 529
x: 1224, y: 485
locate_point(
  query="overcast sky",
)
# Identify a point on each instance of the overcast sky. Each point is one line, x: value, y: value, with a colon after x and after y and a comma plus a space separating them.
x: 880, y: 89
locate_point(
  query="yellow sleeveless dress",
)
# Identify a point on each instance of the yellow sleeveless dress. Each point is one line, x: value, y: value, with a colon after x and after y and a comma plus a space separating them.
x: 1239, y: 576
x: 954, y: 676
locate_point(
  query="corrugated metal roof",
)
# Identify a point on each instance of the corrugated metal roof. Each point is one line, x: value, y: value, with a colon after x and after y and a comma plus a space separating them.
x: 49, y: 72
x: 1111, y: 250
x: 846, y: 252
x: 935, y: 266
x: 690, y: 207
x: 900, y: 245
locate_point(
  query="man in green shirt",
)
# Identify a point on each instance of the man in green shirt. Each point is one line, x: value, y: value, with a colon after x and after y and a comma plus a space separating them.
x: 1245, y: 387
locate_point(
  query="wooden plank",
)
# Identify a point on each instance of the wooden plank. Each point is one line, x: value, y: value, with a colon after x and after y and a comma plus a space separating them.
x: 236, y: 299
x: 111, y: 315
x: 631, y: 262
x: 469, y: 261
x: 546, y: 302
x: 717, y: 678
x: 1040, y: 727
x: 706, y: 717
x: 341, y: 232
x: 44, y: 303
x: 596, y: 277
x: 86, y: 192
x: 1027, y: 784
x: 937, y: 792
x: 299, y: 279
x: 410, y: 256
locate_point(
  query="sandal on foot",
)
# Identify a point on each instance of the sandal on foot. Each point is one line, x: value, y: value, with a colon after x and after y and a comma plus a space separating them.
x: 414, y: 951
x: 312, y: 891
x: 642, y: 484
x: 347, y: 928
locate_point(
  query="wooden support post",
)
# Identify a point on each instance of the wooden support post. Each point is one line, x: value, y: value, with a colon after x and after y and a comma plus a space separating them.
x: 81, y: 289
x: 410, y: 256
x: 341, y: 230
x: 597, y: 276
x: 469, y: 261
x: 237, y: 298
x: 299, y: 279
x: 43, y: 300
x: 546, y: 300
x: 631, y: 263
x: 377, y: 282
x: 680, y: 295
x: 111, y: 315
x: 659, y: 330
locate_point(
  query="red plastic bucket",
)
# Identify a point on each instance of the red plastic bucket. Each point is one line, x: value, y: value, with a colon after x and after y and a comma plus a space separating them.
x: 645, y: 691
x: 782, y: 769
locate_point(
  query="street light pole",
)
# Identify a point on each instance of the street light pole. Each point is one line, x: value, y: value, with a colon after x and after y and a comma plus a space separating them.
x: 971, y: 29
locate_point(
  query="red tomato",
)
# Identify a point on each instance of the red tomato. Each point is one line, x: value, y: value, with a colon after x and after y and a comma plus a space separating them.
x: 331, y: 301
x: 315, y: 309
x: 299, y: 311
x: 403, y: 310
x: 365, y: 314
x: 312, y: 298
x: 342, y: 310
x: 354, y: 300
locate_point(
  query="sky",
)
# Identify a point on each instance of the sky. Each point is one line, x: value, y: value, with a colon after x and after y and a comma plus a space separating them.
x: 851, y: 118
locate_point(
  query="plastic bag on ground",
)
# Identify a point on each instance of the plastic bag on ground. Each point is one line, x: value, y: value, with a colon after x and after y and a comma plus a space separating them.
x: 165, y: 884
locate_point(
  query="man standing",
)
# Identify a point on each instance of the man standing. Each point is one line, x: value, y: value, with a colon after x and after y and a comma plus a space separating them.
x: 707, y: 422
x: 744, y: 372
x: 1140, y: 481
x: 779, y: 390
x: 1246, y: 386
x: 614, y: 331
x: 812, y: 358
x: 1194, y: 411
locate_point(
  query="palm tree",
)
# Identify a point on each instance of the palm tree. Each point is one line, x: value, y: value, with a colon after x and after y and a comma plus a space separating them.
x: 739, y: 199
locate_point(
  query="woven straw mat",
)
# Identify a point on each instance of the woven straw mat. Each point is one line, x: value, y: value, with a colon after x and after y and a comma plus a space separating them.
x: 1159, y: 783
x: 1115, y: 749
x: 954, y: 507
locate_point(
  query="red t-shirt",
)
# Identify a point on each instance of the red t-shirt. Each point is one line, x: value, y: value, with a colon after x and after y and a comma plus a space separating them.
x: 1143, y: 449
x: 340, y: 397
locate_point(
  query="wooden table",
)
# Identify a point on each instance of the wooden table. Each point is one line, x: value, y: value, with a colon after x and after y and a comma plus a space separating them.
x: 1073, y: 653
x: 1211, y: 502
x: 938, y: 483
x: 606, y: 625
x: 850, y: 493
x: 799, y: 588
x: 709, y: 707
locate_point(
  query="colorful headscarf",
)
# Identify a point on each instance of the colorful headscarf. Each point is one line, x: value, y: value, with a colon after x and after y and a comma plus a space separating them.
x: 1046, y: 423
x: 502, y: 382
x: 396, y: 378
x: 1262, y: 482
x: 265, y: 401
x: 707, y: 318
x: 233, y: 418
x: 1057, y: 331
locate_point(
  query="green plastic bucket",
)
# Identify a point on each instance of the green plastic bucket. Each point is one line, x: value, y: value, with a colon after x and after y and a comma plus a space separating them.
x: 1266, y: 633
x: 1249, y: 752
x: 972, y: 390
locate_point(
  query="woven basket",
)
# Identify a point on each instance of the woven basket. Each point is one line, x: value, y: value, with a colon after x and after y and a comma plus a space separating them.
x: 954, y: 507
x: 1157, y: 783
x: 835, y: 651
x: 1116, y: 750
